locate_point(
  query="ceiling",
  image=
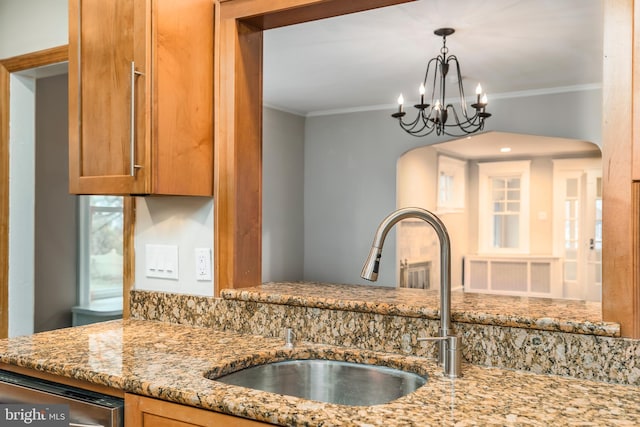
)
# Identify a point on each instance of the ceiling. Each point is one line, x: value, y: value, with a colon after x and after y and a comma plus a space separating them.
x: 364, y: 60
x: 488, y: 145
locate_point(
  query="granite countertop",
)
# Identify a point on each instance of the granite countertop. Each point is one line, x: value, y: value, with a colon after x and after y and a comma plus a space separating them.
x: 548, y: 314
x: 168, y: 361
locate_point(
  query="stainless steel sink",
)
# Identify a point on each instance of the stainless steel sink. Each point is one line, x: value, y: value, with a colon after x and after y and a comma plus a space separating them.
x: 328, y: 381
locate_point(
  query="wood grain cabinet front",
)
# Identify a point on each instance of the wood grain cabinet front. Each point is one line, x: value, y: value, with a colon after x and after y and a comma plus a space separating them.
x: 141, y: 97
x: 146, y: 412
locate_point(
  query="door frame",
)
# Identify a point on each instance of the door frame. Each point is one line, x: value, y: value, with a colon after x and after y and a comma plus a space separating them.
x: 12, y: 65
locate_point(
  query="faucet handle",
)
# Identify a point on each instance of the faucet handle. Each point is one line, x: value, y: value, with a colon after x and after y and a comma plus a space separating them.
x: 289, y: 338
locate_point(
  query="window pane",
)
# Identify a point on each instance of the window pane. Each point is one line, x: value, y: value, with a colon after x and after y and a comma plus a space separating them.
x: 446, y: 187
x: 513, y: 207
x: 514, y: 183
x: 506, y: 212
x: 105, y: 247
x: 513, y: 195
x: 506, y: 231
x: 572, y: 187
x: 512, y: 232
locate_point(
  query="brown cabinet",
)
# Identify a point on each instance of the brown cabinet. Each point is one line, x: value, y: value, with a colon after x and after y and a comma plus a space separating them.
x: 146, y: 412
x: 141, y: 97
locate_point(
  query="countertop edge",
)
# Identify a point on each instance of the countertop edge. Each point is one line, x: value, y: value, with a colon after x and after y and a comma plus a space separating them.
x: 260, y: 295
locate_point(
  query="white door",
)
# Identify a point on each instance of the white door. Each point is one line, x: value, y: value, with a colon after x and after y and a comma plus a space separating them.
x: 578, y: 226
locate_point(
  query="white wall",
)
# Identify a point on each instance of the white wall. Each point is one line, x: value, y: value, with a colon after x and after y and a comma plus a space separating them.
x: 186, y: 222
x: 21, y: 205
x: 31, y: 25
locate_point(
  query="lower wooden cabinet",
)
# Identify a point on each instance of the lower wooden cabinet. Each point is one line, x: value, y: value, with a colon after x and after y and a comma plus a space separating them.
x: 146, y: 412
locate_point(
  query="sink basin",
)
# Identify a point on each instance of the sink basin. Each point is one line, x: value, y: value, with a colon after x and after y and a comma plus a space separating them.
x: 330, y: 381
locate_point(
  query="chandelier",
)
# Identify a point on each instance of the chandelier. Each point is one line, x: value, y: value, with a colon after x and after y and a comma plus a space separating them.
x: 433, y: 116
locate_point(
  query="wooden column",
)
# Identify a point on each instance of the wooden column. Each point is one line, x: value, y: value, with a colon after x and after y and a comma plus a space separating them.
x: 620, y: 207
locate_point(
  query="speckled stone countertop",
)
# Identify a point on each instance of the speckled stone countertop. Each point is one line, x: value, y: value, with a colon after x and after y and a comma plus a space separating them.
x: 534, y: 313
x: 169, y: 362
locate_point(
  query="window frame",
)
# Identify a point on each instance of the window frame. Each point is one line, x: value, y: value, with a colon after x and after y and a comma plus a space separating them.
x: 84, y: 248
x: 486, y: 172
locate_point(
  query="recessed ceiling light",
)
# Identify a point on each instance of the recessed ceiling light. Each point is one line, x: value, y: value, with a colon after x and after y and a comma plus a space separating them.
x: 505, y: 150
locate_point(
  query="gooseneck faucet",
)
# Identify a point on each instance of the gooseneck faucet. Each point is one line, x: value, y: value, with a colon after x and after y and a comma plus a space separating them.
x: 450, y: 350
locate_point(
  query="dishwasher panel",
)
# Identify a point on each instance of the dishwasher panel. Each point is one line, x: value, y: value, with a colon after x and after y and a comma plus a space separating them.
x: 86, y: 408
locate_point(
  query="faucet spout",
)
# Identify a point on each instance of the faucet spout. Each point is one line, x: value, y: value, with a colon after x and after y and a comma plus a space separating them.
x: 372, y: 264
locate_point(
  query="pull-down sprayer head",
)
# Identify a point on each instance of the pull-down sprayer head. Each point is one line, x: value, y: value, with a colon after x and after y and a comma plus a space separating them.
x: 372, y: 264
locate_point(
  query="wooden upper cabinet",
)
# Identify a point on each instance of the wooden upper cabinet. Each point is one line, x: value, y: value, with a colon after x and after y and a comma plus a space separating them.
x: 141, y: 97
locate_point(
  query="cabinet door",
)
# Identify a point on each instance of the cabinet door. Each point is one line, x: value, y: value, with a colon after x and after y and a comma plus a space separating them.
x: 146, y: 412
x: 181, y: 149
x: 141, y: 97
x: 106, y: 101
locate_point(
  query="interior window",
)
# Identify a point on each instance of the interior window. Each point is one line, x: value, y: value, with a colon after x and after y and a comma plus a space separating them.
x: 451, y: 184
x: 503, y: 205
x: 506, y: 212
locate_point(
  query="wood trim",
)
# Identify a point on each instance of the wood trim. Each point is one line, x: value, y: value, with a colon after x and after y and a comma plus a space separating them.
x: 238, y: 158
x: 36, y: 59
x: 128, y: 253
x: 8, y: 66
x: 632, y: 327
x: 4, y: 202
x: 320, y: 10
x: 619, y: 279
x: 635, y: 165
x: 63, y: 380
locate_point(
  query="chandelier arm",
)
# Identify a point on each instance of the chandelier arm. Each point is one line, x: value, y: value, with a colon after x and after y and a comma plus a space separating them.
x: 438, y: 65
x: 468, y: 122
x: 467, y: 127
x: 408, y: 126
x: 426, y: 73
x: 463, y: 102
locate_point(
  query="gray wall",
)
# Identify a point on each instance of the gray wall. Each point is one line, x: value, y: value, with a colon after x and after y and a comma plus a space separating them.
x: 55, y: 210
x: 283, y: 196
x: 350, y: 174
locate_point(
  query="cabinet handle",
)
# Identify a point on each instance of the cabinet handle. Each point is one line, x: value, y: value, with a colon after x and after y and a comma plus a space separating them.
x: 132, y: 138
x: 84, y: 425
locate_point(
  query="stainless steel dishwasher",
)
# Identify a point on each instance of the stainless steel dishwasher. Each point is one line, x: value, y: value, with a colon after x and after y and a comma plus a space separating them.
x: 86, y: 408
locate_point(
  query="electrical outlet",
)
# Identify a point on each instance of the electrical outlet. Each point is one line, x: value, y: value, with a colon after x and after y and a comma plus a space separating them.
x: 203, y: 264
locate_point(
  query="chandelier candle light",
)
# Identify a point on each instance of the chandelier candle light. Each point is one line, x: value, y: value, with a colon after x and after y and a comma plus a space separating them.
x: 433, y: 117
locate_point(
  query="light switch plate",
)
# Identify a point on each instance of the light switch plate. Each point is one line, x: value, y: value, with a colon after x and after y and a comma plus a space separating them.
x: 161, y: 261
x: 203, y: 264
